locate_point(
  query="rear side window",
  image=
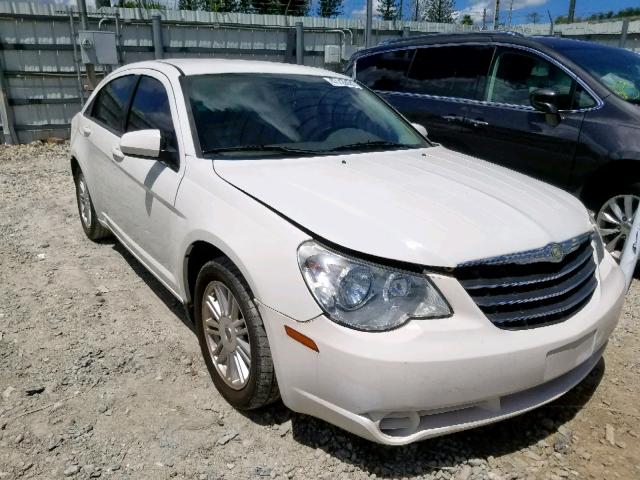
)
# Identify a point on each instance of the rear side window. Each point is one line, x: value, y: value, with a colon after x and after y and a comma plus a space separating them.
x: 458, y: 71
x: 384, y: 71
x: 150, y: 110
x: 515, y: 75
x: 110, y: 104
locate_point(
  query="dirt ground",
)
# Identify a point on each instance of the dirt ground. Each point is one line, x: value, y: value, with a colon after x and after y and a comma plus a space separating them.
x: 101, y: 376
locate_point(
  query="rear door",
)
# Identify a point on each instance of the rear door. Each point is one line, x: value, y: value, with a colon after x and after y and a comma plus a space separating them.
x: 102, y: 125
x: 440, y: 82
x: 387, y: 74
x: 504, y: 128
x: 144, y: 214
x: 429, y: 84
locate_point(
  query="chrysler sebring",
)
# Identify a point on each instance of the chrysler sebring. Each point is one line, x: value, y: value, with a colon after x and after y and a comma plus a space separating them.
x: 329, y: 254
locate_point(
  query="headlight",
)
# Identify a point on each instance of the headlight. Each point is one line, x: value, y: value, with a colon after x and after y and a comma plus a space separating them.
x: 365, y: 296
x: 597, y: 238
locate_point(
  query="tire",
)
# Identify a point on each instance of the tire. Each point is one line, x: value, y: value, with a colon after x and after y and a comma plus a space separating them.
x: 223, y: 340
x: 614, y: 215
x: 92, y: 227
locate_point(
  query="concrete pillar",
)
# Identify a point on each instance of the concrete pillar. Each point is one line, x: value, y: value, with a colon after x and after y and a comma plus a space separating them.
x: 368, y: 41
x: 299, y: 43
x: 156, y: 27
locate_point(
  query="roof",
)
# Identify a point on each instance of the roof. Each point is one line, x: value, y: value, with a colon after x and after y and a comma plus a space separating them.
x: 202, y: 66
x: 538, y: 42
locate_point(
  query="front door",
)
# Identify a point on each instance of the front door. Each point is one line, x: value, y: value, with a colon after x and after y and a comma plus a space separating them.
x: 144, y: 215
x: 504, y: 128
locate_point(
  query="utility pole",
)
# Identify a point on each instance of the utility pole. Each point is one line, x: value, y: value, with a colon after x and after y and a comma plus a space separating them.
x: 484, y: 18
x: 572, y: 11
x: 369, y: 21
x: 89, y: 67
x: 510, y: 12
x: 415, y: 18
x: 496, y: 15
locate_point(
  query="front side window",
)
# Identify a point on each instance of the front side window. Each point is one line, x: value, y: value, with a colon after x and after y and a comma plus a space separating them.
x: 252, y: 115
x: 616, y: 68
x: 515, y: 75
x: 150, y: 110
x: 384, y: 71
x: 110, y: 104
x: 458, y: 71
x: 582, y: 99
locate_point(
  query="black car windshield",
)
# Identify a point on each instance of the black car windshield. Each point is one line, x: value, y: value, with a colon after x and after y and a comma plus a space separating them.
x: 617, y: 69
x: 267, y: 115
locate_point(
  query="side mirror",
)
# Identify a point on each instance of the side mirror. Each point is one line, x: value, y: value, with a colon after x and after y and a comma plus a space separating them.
x: 545, y: 100
x: 420, y: 128
x: 142, y: 143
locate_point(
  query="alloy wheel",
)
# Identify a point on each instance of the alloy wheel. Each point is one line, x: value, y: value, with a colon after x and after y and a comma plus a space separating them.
x: 226, y: 334
x: 614, y: 221
x: 85, y: 202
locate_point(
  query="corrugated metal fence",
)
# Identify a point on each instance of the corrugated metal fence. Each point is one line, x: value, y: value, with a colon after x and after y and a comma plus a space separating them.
x: 41, y: 66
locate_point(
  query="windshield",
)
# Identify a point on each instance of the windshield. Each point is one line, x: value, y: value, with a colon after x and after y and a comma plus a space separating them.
x: 617, y: 69
x: 266, y: 115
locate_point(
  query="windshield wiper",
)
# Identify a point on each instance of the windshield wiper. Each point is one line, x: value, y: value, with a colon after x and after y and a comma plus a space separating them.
x: 259, y: 148
x: 367, y: 145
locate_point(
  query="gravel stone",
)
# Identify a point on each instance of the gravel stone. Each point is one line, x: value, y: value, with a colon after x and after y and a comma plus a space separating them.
x: 111, y: 347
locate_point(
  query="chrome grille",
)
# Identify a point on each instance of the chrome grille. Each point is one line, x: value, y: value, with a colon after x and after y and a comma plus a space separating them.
x: 535, y: 288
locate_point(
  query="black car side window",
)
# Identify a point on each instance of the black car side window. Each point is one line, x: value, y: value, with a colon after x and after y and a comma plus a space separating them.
x: 514, y: 75
x: 458, y: 71
x: 150, y: 110
x: 581, y: 99
x: 110, y: 104
x: 384, y: 71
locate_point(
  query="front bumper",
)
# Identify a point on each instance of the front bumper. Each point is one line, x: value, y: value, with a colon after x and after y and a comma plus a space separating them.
x: 432, y: 377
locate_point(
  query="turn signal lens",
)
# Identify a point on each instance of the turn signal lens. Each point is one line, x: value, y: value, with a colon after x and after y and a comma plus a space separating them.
x: 303, y: 339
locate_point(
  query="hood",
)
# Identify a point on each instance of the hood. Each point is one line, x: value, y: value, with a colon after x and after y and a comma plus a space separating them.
x: 429, y: 206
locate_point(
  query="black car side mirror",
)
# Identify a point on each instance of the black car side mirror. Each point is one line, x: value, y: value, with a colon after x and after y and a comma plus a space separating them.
x: 546, y: 100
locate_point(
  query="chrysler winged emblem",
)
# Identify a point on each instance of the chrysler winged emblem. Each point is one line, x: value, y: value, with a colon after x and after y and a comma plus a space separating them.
x: 552, y: 252
x: 556, y: 252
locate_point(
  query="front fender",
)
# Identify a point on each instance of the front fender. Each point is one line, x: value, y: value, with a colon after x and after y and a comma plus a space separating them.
x: 258, y: 241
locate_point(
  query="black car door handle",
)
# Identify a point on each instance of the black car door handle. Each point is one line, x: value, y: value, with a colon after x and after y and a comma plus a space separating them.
x: 453, y: 118
x: 476, y: 123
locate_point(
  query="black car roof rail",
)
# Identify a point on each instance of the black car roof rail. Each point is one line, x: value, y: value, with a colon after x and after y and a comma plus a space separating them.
x: 427, y: 35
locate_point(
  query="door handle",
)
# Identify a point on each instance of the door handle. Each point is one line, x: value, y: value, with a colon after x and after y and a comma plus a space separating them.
x: 477, y: 123
x: 453, y: 118
x: 117, y: 154
x: 86, y: 131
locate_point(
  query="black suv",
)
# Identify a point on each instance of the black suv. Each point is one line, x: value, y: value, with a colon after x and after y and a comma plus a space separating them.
x: 564, y: 111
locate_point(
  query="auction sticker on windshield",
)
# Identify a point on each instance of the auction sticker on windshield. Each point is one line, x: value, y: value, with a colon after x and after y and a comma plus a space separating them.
x: 342, y: 82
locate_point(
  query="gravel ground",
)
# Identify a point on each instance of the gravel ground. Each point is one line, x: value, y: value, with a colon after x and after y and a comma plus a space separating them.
x: 101, y: 376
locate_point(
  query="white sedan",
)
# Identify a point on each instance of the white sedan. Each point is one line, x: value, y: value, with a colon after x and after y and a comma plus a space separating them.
x: 331, y: 255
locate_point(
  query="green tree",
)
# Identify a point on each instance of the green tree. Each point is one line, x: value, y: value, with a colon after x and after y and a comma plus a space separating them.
x: 329, y: 8
x: 272, y: 7
x: 222, y: 6
x: 192, y: 4
x: 466, y: 20
x: 439, y: 11
x: 297, y: 8
x: 388, y: 9
x: 533, y: 17
x: 146, y: 4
